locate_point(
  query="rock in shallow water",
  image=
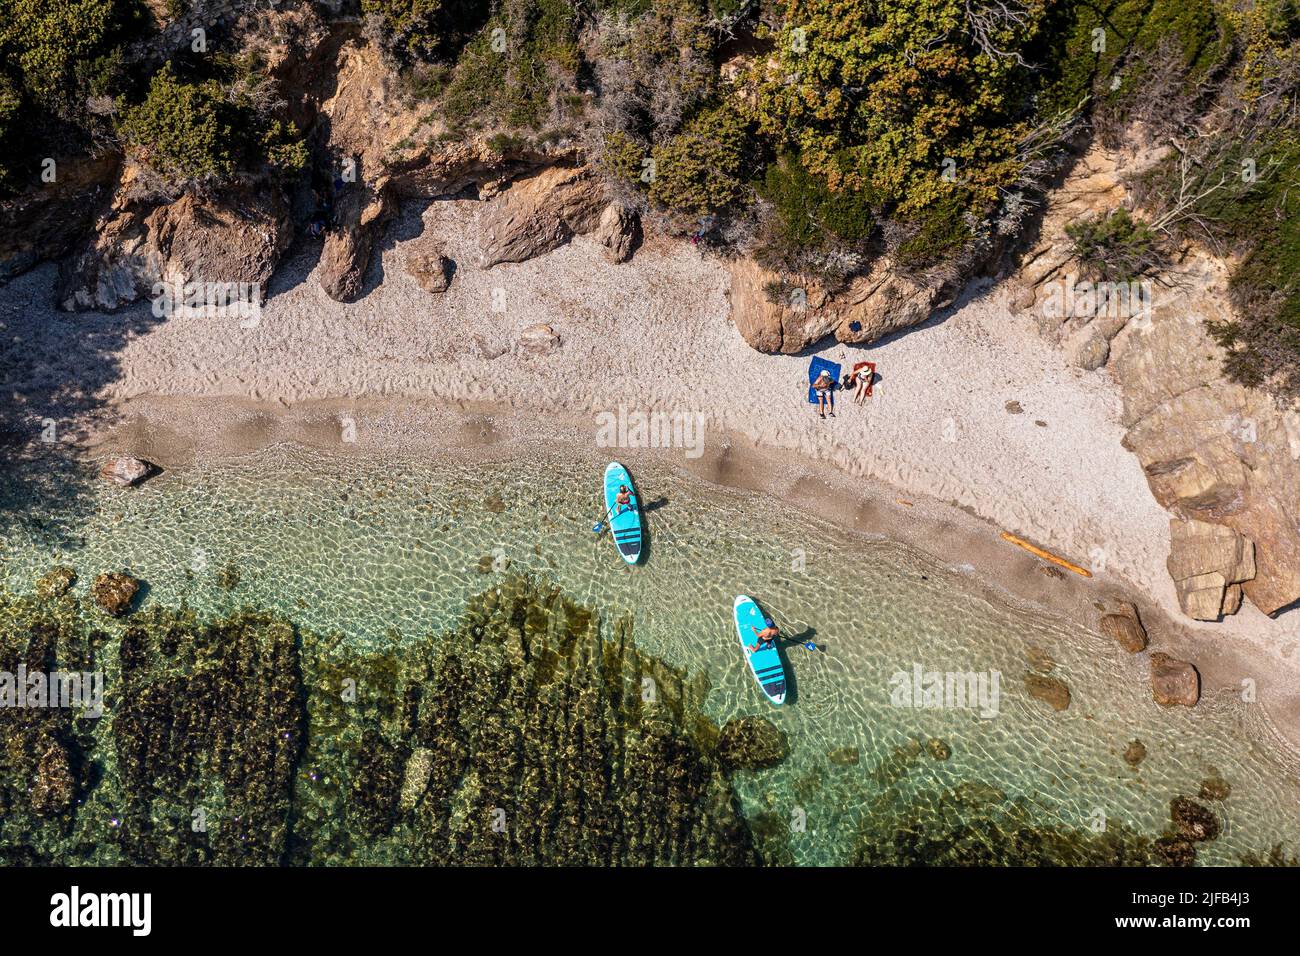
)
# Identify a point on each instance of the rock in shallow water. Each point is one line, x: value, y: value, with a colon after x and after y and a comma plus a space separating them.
x: 127, y: 470
x: 752, y: 743
x: 1174, y: 681
x: 55, y: 582
x: 1193, y: 820
x: 114, y: 592
x: 1126, y: 628
x: 1050, y: 690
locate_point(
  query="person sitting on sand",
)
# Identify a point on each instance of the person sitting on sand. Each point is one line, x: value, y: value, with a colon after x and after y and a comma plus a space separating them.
x: 622, y: 500
x: 767, y: 637
x: 824, y: 386
x: 864, y: 375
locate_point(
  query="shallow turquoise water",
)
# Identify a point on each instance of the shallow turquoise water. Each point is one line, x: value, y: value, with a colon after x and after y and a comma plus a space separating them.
x: 382, y: 552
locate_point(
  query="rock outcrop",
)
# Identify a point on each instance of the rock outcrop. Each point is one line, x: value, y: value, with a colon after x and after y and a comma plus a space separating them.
x: 1174, y: 682
x: 784, y: 314
x: 1213, y: 452
x: 49, y: 220
x: 233, y: 241
x: 1209, y: 564
x: 540, y: 213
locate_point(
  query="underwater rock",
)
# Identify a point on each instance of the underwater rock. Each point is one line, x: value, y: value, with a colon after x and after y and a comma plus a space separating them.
x: 1214, y: 787
x: 1039, y: 659
x: 114, y: 591
x: 1175, y: 851
x: 127, y: 470
x: 752, y: 743
x: 844, y: 756
x: 227, y: 577
x: 1050, y: 690
x: 494, y: 503
x: 1174, y: 682
x: 1193, y: 820
x: 1126, y: 629
x: 939, y: 749
x: 1135, y: 753
x: 55, y: 583
x: 976, y: 793
x: 54, y: 788
x: 416, y: 777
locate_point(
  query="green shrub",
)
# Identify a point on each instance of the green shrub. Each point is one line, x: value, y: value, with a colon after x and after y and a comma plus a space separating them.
x: 1114, y: 248
x: 939, y: 230
x: 703, y: 168
x: 185, y: 130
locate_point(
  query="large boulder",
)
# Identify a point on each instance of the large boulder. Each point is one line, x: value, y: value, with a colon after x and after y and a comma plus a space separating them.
x: 1174, y: 682
x: 360, y: 212
x: 540, y: 213
x: 776, y: 313
x: 233, y: 240
x: 1208, y: 563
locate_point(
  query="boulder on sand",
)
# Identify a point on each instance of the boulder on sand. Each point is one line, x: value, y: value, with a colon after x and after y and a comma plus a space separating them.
x: 114, y: 592
x: 127, y: 470
x: 619, y: 231
x: 1174, y: 681
x: 539, y: 339
x: 431, y: 270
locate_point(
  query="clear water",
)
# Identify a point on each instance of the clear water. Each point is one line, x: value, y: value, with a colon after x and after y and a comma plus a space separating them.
x: 379, y: 552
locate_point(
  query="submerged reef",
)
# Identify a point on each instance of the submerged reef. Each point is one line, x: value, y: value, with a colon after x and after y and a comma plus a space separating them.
x: 529, y: 734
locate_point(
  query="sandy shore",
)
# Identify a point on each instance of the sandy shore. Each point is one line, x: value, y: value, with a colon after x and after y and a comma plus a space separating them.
x: 973, y: 410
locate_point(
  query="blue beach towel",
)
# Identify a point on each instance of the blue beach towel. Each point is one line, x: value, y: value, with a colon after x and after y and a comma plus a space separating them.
x: 815, y: 368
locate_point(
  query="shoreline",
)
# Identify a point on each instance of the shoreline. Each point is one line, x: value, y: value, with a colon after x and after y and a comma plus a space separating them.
x: 178, y: 432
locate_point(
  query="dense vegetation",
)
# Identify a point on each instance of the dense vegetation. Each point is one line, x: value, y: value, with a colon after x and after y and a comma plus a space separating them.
x: 815, y: 134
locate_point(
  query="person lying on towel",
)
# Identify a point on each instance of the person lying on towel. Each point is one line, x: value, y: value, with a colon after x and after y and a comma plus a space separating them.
x: 824, y: 386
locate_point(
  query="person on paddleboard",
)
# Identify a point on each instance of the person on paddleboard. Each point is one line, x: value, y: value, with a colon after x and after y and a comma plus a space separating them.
x: 767, y: 637
x: 623, y: 500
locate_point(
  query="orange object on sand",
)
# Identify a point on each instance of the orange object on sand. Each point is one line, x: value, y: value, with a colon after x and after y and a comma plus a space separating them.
x: 1045, y: 555
x: 871, y: 382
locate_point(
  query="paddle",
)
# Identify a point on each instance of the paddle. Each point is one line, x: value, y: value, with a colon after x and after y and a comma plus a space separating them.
x: 599, y: 526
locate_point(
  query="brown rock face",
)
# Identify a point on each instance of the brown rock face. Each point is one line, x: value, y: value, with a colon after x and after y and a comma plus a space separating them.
x: 1050, y: 690
x: 776, y: 315
x: 1208, y: 563
x: 540, y: 213
x: 47, y: 221
x: 1126, y: 629
x: 234, y: 240
x: 619, y: 231
x: 360, y: 212
x: 1174, y: 682
x: 1213, y: 451
x: 114, y: 592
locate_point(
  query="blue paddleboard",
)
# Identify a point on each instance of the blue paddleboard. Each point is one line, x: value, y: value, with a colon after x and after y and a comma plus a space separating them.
x: 766, y: 661
x: 626, y: 525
